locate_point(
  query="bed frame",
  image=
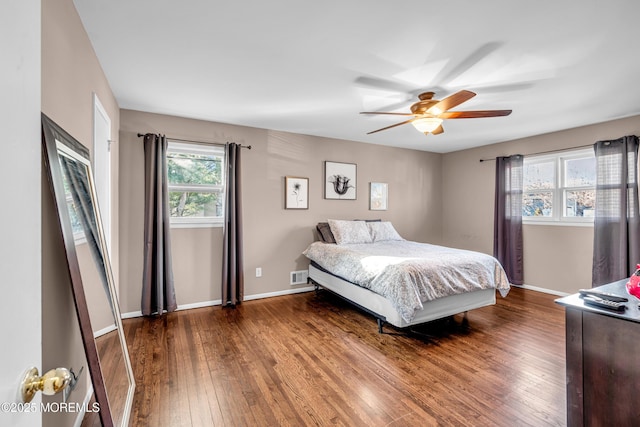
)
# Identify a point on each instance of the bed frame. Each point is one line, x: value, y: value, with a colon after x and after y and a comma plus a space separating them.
x: 383, y: 311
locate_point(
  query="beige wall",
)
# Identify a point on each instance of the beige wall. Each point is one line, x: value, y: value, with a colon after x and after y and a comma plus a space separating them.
x: 71, y: 75
x: 555, y: 257
x: 274, y: 238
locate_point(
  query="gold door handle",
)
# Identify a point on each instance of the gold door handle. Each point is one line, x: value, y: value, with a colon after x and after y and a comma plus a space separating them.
x: 54, y: 381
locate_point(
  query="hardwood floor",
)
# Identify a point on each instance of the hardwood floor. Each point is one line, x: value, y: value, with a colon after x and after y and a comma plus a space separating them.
x: 310, y: 359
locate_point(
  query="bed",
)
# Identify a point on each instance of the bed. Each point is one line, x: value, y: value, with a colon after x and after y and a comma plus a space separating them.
x: 401, y: 282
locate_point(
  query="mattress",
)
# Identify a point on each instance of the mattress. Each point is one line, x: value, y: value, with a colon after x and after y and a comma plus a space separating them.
x: 409, y: 274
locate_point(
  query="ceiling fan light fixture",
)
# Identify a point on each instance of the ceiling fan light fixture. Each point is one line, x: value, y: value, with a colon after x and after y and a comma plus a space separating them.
x: 428, y: 113
x: 427, y: 124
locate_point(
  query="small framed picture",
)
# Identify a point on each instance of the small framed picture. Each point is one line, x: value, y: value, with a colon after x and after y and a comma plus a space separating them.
x: 340, y: 181
x: 296, y: 192
x: 378, y: 196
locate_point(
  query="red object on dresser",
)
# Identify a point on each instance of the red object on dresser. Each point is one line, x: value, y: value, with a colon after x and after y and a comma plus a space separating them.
x: 633, y: 285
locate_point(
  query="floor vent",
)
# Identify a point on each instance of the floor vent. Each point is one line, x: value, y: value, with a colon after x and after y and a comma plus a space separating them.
x: 299, y: 277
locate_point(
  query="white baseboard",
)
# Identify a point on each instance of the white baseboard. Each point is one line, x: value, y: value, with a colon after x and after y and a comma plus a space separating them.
x: 85, y: 405
x: 103, y: 331
x: 544, y: 290
x: 279, y: 293
x: 307, y: 289
x: 198, y: 305
x: 131, y: 314
x: 219, y: 302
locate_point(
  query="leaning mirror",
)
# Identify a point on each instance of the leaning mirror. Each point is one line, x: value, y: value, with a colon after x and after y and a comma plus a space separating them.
x: 93, y: 285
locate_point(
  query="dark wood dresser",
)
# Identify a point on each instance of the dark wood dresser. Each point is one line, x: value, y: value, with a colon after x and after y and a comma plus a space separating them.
x: 603, y: 361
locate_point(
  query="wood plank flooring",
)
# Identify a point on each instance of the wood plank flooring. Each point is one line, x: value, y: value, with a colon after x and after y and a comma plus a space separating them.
x: 312, y: 359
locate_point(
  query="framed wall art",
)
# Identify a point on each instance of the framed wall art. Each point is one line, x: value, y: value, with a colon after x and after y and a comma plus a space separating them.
x: 296, y: 193
x: 340, y: 180
x: 378, y: 196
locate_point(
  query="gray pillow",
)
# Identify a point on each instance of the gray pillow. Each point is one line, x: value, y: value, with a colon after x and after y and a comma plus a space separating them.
x: 324, y: 231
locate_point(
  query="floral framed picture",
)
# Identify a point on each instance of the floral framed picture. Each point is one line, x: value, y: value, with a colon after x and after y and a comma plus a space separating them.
x: 296, y: 192
x: 340, y: 181
x: 378, y: 196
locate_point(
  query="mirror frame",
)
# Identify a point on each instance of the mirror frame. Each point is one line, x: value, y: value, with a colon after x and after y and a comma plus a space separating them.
x: 52, y: 135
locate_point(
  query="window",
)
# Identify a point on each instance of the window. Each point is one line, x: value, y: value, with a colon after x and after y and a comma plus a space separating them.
x: 73, y: 163
x: 559, y: 188
x: 196, y: 184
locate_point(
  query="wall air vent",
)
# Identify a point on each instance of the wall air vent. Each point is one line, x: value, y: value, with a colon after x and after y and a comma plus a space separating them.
x: 299, y: 277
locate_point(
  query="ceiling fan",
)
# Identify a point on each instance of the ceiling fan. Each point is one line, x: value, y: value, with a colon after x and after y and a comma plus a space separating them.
x: 428, y: 113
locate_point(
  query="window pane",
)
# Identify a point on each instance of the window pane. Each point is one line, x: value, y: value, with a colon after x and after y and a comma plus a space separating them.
x: 538, y: 204
x: 580, y: 203
x: 539, y: 175
x: 194, y: 168
x: 76, y: 225
x: 195, y: 205
x: 580, y: 172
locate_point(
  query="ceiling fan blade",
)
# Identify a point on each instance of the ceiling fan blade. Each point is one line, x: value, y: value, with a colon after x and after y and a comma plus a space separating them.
x: 452, y: 101
x: 437, y: 130
x: 382, y: 112
x: 501, y: 88
x: 473, y: 114
x: 389, y: 127
x: 384, y: 84
x: 476, y: 57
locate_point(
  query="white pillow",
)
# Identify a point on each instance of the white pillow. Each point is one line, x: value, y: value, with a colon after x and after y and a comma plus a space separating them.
x: 349, y: 231
x: 381, y: 231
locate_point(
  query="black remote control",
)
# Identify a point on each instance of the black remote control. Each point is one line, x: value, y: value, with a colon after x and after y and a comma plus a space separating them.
x: 603, y: 295
x: 603, y: 303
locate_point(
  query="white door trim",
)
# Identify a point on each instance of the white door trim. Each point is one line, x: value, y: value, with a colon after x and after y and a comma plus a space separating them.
x: 101, y: 158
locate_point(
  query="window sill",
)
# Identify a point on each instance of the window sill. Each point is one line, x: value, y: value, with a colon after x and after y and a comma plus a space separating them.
x: 197, y: 225
x: 560, y: 223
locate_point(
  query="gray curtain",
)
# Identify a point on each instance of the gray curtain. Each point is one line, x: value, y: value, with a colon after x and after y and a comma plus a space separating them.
x: 616, y: 245
x: 158, y: 292
x: 507, y: 230
x: 233, y: 262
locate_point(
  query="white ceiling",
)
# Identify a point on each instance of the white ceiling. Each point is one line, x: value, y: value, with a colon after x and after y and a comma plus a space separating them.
x: 311, y: 67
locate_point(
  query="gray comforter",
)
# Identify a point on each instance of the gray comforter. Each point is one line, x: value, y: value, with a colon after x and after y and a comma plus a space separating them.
x: 410, y: 273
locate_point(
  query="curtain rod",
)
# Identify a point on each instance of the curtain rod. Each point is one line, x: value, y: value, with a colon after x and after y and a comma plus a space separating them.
x: 199, y: 142
x: 544, y: 152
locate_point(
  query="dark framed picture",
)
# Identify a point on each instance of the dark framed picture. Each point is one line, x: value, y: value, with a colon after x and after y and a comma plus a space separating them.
x: 340, y: 180
x: 296, y: 192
